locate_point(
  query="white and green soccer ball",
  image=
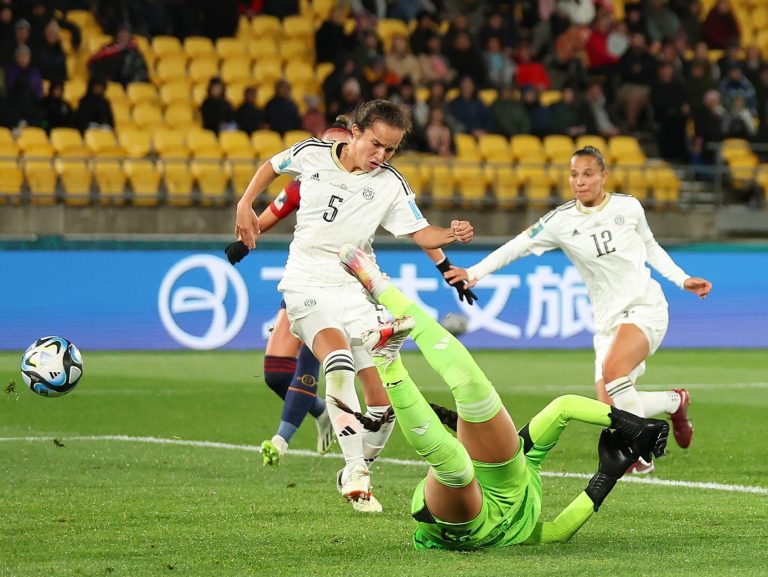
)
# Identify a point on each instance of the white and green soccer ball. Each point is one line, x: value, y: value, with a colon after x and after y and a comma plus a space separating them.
x: 51, y: 366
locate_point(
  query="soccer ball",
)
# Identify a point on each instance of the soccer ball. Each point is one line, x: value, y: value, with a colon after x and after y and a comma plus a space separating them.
x: 455, y: 323
x: 51, y: 366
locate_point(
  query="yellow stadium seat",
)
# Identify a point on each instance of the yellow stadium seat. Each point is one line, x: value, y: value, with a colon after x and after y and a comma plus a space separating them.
x: 11, y: 180
x: 263, y: 47
x: 266, y: 25
x: 527, y: 148
x: 164, y: 46
x: 560, y: 176
x: 147, y: 116
x: 593, y: 140
x: 145, y: 181
x: 179, y: 91
x: 241, y: 172
x: 549, y: 97
x: 494, y: 148
x: 632, y: 179
x: 469, y: 180
x: 266, y: 143
x: 96, y: 42
x: 742, y: 170
x: 665, y: 184
x: 264, y: 94
x: 33, y: 142
x: 9, y: 150
x: 203, y: 144
x: 412, y: 174
x: 291, y: 137
x: 505, y: 185
x: 466, y: 147
x: 116, y: 93
x: 142, y: 93
x: 625, y: 150
x: 196, y: 46
x: 136, y: 142
x: 558, y: 148
x: 171, y: 68
x: 298, y: 27
x: 178, y: 183
x: 228, y: 48
x: 203, y: 68
x: 735, y: 147
x: 199, y: 93
x: 76, y: 179
x: 322, y: 71
x: 180, y: 115
x: 67, y: 142
x: 169, y: 143
x: 322, y: 8
x: 121, y: 113
x: 298, y: 72
x: 297, y: 49
x: 267, y: 71
x: 387, y: 28
x: 110, y: 180
x: 537, y: 185
x: 236, y: 93
x: 211, y: 181
x: 83, y: 18
x: 278, y: 184
x: 762, y: 179
x: 236, y: 70
x: 74, y: 90
x: 488, y: 95
x: 235, y: 144
x: 41, y: 179
x: 441, y: 181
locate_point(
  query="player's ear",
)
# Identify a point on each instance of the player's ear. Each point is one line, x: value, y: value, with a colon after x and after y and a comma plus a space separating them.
x: 356, y: 132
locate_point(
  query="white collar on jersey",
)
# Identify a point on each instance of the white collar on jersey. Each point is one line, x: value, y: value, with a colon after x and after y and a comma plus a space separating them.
x: 593, y: 209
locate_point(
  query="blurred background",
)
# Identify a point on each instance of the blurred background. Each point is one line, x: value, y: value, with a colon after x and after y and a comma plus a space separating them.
x: 128, y: 129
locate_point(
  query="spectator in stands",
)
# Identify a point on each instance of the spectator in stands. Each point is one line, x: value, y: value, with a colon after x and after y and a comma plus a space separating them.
x: 633, y: 16
x: 529, y: 71
x: 690, y: 21
x: 662, y: 23
x: 367, y: 51
x: 55, y: 112
x: 7, y: 42
x: 248, y: 116
x: 21, y: 32
x: 313, y: 119
x: 330, y: 40
x: 578, y: 12
x: 281, y: 8
x: 604, y: 124
x: 405, y: 10
x: 405, y: 94
x: 753, y: 63
x: 637, y: 69
x: 349, y: 96
x: 742, y: 121
x: 24, y: 85
x: 472, y: 116
x: 697, y: 84
x: 721, y: 27
x: 402, y: 62
x: 509, y: 115
x: 601, y: 59
x: 736, y: 84
x: 566, y: 66
x: 500, y: 68
x: 710, y: 125
x: 539, y: 115
x: 459, y: 25
x: 94, y: 110
x: 497, y: 26
x: 343, y: 70
x: 671, y: 114
x: 434, y: 64
x: 426, y: 28
x: 465, y: 60
x: 120, y: 61
x: 439, y: 139
x: 701, y: 56
x: 669, y: 55
x: 50, y: 57
x: 435, y: 99
x: 570, y: 115
x: 281, y: 113
x: 732, y: 57
x: 216, y: 111
x: 761, y: 91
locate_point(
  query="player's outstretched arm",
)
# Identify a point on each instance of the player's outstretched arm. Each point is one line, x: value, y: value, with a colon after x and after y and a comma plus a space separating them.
x: 237, y: 251
x: 444, y: 265
x: 246, y: 221
x: 438, y: 237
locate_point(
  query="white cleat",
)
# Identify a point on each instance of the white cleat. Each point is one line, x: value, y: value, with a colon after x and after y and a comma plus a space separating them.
x: 385, y: 341
x: 640, y: 467
x: 325, y: 434
x: 361, y: 266
x: 357, y: 489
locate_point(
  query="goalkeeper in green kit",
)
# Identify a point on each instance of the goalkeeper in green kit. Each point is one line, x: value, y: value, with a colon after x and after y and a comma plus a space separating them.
x: 483, y: 488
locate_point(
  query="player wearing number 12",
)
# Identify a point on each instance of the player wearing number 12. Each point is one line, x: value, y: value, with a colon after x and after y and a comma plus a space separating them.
x: 608, y: 239
x: 347, y: 192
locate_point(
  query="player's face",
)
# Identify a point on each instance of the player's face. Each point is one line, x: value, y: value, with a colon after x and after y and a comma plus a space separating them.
x: 587, y: 180
x: 374, y: 145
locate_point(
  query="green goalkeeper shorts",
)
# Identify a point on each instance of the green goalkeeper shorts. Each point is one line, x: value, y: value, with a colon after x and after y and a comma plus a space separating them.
x: 510, y: 510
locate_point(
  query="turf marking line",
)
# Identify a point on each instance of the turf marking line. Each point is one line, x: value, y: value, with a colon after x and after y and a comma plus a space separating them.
x: 303, y: 453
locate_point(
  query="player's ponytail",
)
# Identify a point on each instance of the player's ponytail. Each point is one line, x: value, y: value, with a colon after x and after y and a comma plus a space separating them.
x: 369, y: 424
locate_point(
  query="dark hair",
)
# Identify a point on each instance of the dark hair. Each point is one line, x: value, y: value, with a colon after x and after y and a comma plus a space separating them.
x: 366, y: 113
x: 341, y: 122
x: 369, y: 423
x: 594, y: 153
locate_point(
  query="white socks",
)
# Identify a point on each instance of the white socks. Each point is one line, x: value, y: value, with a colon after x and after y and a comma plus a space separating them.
x: 374, y: 441
x: 659, y: 402
x: 339, y: 368
x: 624, y: 395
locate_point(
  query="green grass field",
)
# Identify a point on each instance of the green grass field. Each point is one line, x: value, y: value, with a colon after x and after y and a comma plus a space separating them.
x: 112, y: 506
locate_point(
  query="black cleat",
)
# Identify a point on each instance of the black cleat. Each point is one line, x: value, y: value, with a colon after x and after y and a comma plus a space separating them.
x: 645, y: 437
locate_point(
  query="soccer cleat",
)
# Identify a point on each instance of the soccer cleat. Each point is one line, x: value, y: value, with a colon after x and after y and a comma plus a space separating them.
x: 325, y: 434
x: 681, y: 426
x: 364, y: 502
x: 271, y: 451
x: 385, y: 340
x: 369, y: 505
x: 360, y: 265
x: 640, y: 467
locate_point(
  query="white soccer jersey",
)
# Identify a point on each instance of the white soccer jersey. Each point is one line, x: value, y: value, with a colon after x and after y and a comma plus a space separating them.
x: 338, y: 207
x: 609, y: 245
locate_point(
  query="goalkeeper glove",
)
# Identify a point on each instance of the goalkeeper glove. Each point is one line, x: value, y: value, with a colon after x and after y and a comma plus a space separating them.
x: 615, y: 457
x: 461, y: 287
x: 236, y: 251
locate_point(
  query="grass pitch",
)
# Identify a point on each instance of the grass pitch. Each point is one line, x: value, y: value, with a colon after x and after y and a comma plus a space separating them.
x: 115, y: 506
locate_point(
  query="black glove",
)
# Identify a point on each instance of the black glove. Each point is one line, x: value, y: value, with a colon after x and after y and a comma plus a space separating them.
x: 615, y: 457
x: 236, y: 251
x: 461, y: 287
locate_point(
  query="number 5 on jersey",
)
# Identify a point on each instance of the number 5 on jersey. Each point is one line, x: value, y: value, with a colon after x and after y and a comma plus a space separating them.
x: 330, y: 214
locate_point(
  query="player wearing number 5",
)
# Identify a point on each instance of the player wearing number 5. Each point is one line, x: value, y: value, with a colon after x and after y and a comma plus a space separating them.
x: 607, y: 238
x: 347, y: 192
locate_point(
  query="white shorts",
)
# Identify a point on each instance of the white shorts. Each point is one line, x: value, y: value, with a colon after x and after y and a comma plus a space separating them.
x: 344, y: 307
x: 653, y: 320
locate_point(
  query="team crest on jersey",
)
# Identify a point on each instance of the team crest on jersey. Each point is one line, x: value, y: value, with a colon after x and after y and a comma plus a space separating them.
x: 310, y: 302
x: 368, y: 193
x: 619, y: 220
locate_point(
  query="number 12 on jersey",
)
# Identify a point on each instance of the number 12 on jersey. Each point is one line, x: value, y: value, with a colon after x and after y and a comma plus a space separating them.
x: 602, y: 244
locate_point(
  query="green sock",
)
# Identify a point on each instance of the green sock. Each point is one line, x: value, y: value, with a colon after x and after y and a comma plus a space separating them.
x: 566, y: 524
x: 476, y: 399
x: 545, y: 428
x: 423, y: 430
